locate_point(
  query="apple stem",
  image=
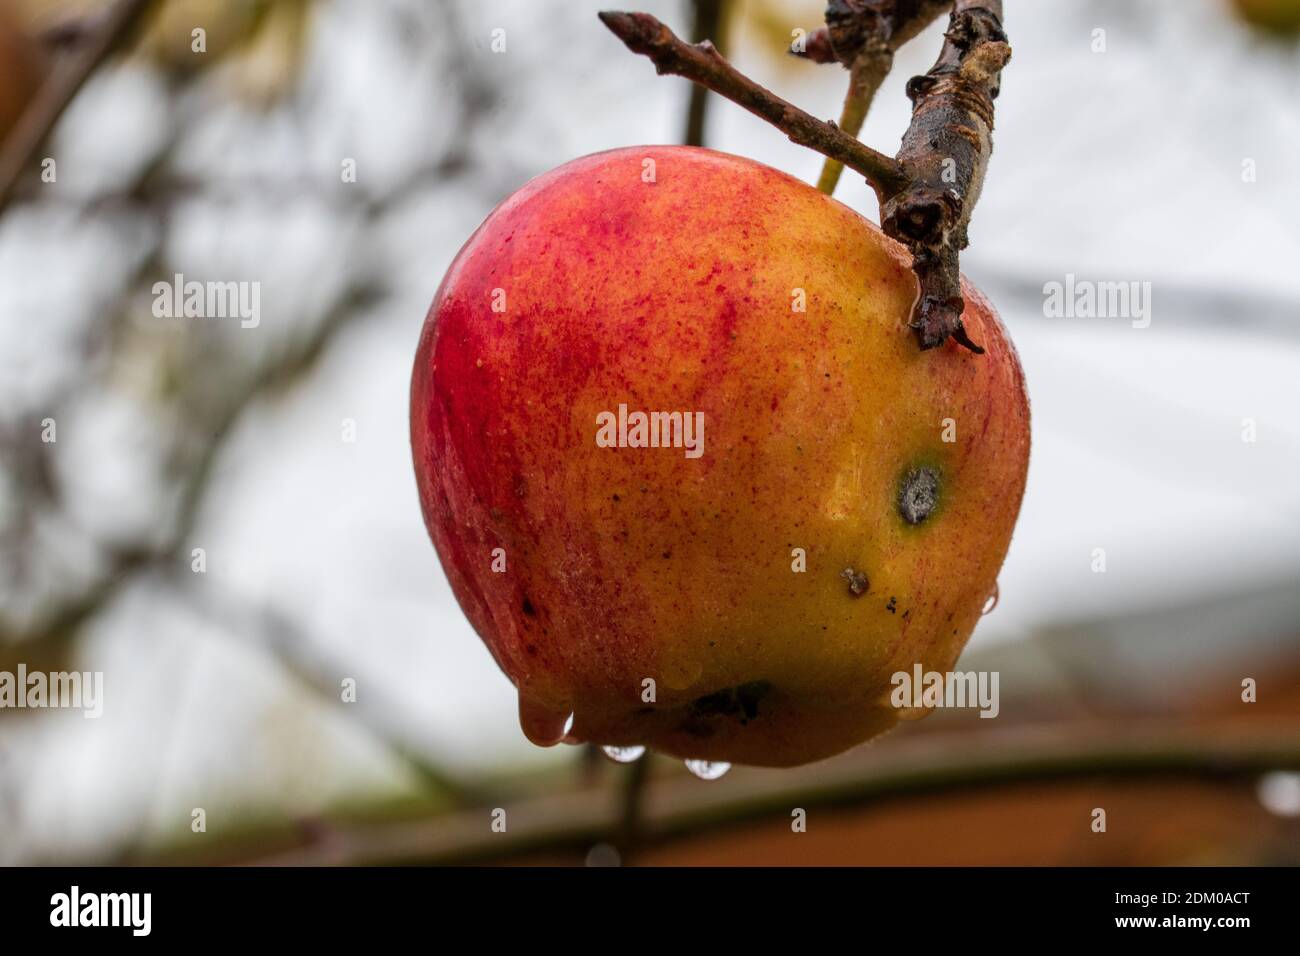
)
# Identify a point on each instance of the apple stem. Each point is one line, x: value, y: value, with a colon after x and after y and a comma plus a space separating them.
x: 865, y: 76
x: 863, y: 36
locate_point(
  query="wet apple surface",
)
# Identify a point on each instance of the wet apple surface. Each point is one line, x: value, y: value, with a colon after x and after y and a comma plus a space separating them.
x: 845, y: 519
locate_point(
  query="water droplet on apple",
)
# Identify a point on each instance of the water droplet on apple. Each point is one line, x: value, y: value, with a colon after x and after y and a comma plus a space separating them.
x: 543, y: 725
x: 624, y: 754
x: 707, y: 769
x: 991, y: 601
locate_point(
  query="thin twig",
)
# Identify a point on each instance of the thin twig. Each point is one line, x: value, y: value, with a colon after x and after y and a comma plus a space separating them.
x: 69, y: 76
x: 703, y: 64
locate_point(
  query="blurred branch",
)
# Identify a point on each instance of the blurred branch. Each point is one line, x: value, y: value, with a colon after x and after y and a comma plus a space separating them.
x: 70, y: 74
x: 286, y: 643
x: 294, y: 651
x: 925, y: 764
x: 219, y: 423
x: 709, y: 22
x: 206, y: 417
x: 632, y: 804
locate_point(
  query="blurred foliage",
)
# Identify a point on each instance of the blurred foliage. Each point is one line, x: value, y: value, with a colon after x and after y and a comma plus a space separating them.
x: 768, y: 25
x: 1278, y: 17
x: 261, y: 40
x: 258, y: 43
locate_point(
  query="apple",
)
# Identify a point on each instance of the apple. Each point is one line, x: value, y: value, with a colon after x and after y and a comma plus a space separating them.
x: 688, y: 473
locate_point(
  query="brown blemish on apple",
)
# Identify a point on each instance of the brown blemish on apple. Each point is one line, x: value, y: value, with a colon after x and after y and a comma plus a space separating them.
x: 919, y: 495
x: 858, y: 582
x: 739, y: 702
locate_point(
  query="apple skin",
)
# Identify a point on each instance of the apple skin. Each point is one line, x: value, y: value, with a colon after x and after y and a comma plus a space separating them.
x: 627, y: 564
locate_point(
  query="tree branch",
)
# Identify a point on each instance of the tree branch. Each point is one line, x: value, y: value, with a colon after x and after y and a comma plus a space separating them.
x: 69, y: 76
x: 703, y: 64
x: 945, y: 153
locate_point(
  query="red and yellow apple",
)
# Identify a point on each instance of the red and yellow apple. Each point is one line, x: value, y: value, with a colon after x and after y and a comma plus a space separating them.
x: 748, y: 597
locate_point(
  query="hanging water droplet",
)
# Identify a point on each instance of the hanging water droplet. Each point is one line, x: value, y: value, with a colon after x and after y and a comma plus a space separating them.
x: 991, y: 601
x: 912, y: 713
x: 543, y: 725
x: 707, y: 769
x: 624, y: 754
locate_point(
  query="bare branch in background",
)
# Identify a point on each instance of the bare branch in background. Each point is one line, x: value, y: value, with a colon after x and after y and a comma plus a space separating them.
x: 217, y: 422
x: 709, y: 24
x: 207, y: 418
x: 293, y: 649
x: 933, y: 764
x: 632, y: 806
x: 70, y: 74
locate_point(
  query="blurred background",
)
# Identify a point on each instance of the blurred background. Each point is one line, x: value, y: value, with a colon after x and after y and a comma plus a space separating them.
x: 338, y: 152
